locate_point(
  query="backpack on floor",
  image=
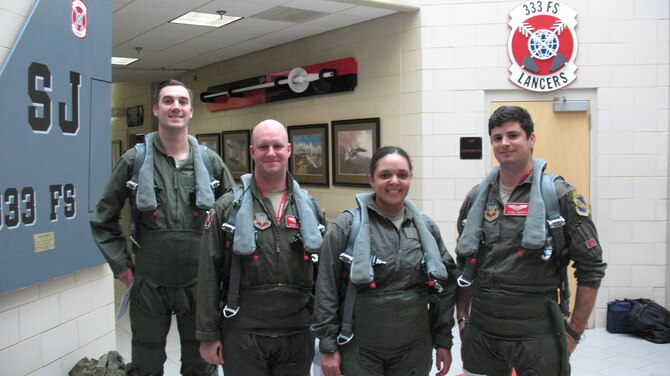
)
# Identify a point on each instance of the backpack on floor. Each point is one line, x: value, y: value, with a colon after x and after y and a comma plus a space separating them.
x: 110, y: 364
x: 648, y: 320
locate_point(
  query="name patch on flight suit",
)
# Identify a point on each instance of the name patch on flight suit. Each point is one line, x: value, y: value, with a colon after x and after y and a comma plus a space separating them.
x: 492, y: 211
x: 262, y: 222
x: 516, y: 209
x: 292, y: 221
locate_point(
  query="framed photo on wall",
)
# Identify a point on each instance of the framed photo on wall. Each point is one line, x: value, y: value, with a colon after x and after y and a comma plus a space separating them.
x: 309, y: 154
x: 211, y: 140
x: 354, y: 143
x: 135, y: 116
x: 235, y: 147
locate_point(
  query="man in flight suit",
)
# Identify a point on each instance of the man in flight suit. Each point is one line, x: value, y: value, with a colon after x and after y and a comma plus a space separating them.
x: 170, y: 201
x: 276, y: 228
x: 510, y: 317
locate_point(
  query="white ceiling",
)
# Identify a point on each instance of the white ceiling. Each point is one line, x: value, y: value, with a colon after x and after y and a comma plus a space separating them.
x: 170, y: 49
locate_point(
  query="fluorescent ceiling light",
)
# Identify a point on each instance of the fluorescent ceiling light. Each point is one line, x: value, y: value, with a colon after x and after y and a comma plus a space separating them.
x: 123, y: 60
x: 204, y: 19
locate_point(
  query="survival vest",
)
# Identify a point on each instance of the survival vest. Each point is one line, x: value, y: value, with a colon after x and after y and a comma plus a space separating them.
x: 347, y: 324
x: 555, y: 241
x: 231, y: 306
x: 133, y: 183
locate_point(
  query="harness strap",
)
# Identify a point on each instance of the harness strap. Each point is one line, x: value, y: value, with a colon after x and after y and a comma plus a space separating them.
x: 213, y: 181
x: 468, y: 276
x: 556, y: 224
x: 132, y: 184
x: 233, y: 297
x: 347, y: 325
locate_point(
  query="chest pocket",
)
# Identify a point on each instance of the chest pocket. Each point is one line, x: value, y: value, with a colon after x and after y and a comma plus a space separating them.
x: 411, y: 233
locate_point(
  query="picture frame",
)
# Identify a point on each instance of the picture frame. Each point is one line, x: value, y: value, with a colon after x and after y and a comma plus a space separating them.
x: 210, y: 140
x: 354, y: 142
x: 116, y: 152
x: 135, y: 116
x: 235, y: 151
x: 309, y: 154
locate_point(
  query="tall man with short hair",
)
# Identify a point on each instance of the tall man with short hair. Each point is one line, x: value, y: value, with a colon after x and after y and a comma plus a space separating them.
x: 509, y: 316
x: 264, y: 263
x: 172, y: 194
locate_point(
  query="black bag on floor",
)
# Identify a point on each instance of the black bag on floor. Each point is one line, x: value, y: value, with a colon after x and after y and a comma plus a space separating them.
x: 648, y: 320
x: 616, y: 311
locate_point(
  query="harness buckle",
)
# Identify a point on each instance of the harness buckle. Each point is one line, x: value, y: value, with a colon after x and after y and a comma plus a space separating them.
x: 230, y: 312
x: 343, y: 339
x: 556, y: 223
x: 438, y: 287
x: 377, y: 261
x: 132, y: 239
x: 214, y: 184
x: 226, y: 227
x: 345, y: 257
x: 463, y: 282
x: 131, y: 185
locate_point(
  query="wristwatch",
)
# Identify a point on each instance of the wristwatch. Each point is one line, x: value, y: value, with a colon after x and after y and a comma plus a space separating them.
x: 578, y: 337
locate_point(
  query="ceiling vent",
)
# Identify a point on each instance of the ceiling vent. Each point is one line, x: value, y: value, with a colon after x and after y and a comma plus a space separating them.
x: 286, y: 14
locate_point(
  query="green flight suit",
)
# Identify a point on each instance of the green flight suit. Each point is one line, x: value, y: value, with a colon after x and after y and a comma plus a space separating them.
x: 394, y: 333
x: 515, y: 320
x: 165, y: 265
x: 269, y: 334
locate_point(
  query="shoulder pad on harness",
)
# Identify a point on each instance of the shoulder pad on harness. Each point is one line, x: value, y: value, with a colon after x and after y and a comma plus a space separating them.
x: 141, y: 152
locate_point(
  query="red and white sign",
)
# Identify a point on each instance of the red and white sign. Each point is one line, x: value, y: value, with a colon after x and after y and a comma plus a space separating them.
x: 79, y: 19
x: 323, y: 78
x: 542, y: 45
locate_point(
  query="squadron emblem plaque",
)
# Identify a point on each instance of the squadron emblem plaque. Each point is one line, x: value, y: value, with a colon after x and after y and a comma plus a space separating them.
x: 542, y: 45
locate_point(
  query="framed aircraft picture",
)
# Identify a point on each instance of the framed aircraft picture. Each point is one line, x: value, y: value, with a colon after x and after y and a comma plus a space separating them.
x: 309, y: 154
x: 210, y: 140
x: 235, y: 148
x: 354, y: 142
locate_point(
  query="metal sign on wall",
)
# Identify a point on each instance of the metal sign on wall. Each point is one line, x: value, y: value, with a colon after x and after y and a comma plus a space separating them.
x: 323, y: 78
x: 542, y: 45
x: 55, y: 95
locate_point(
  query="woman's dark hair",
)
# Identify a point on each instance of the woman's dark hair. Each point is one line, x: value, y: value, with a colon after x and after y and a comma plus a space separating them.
x: 170, y: 83
x: 384, y: 151
x: 512, y: 113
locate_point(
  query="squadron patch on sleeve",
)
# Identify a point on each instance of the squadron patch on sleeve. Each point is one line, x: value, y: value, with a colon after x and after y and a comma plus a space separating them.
x: 581, y: 205
x: 208, y: 220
